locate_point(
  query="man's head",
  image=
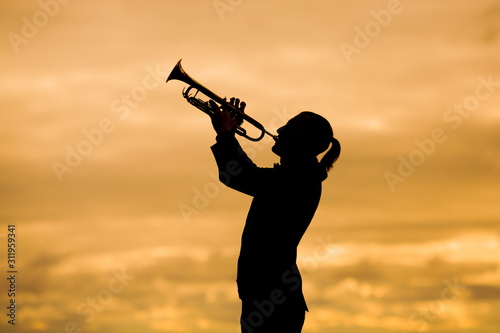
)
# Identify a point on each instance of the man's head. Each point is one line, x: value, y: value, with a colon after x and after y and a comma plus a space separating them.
x: 307, y: 135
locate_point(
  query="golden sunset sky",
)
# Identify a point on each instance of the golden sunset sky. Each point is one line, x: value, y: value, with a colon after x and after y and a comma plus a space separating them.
x: 121, y: 224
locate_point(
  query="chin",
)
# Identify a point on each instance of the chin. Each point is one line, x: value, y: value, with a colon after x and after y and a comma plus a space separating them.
x: 275, y: 149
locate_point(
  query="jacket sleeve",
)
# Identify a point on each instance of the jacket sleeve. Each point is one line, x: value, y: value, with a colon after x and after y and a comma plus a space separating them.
x: 236, y: 169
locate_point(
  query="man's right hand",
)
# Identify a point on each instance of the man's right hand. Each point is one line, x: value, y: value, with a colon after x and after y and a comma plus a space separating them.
x: 222, y: 121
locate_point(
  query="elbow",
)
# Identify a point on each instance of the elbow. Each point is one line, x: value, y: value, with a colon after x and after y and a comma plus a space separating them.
x: 230, y: 172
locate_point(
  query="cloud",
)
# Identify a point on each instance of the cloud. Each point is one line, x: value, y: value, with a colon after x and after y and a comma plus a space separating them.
x: 482, y: 29
x: 171, y: 284
x: 119, y: 207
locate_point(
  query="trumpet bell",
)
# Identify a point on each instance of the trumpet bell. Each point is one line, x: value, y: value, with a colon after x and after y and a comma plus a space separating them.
x: 177, y: 72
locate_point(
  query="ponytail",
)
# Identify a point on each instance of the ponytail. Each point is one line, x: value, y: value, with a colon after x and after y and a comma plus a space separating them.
x: 331, y: 155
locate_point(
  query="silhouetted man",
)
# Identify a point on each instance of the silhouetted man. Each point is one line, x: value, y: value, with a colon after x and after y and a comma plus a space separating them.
x: 285, y: 199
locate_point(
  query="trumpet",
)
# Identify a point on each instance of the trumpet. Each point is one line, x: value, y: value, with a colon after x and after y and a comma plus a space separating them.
x: 178, y: 73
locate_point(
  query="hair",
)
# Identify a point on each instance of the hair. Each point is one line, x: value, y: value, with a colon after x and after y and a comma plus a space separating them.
x: 318, y: 136
x: 331, y: 155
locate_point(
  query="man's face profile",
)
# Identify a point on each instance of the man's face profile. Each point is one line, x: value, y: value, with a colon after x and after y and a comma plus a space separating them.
x: 288, y: 137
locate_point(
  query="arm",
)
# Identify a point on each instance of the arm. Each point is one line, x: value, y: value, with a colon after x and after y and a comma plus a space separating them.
x: 236, y: 169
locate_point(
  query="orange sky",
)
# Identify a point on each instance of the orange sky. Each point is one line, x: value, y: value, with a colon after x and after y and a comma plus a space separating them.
x: 108, y: 177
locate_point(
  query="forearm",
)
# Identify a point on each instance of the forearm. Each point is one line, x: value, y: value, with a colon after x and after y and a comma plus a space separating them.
x: 236, y: 170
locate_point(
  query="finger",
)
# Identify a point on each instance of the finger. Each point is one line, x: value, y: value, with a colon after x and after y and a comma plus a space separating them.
x: 240, y: 103
x: 214, y: 107
x: 242, y: 106
x: 223, y: 106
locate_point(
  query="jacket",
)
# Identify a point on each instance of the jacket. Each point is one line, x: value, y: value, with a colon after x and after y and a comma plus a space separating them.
x: 285, y: 199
